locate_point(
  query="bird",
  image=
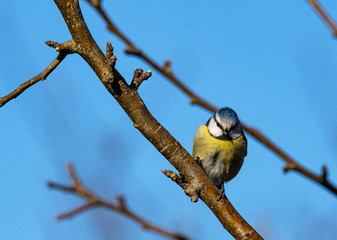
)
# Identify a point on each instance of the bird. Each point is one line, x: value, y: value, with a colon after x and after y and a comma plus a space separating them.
x: 220, y: 146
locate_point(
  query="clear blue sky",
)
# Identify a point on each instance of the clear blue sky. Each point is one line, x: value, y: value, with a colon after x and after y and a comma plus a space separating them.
x: 275, y: 63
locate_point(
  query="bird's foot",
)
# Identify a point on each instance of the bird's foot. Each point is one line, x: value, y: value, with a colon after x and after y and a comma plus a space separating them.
x: 222, y: 194
x: 197, y: 159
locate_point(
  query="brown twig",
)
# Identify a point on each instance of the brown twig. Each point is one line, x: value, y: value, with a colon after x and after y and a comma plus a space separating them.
x: 324, y: 15
x: 151, y: 129
x: 93, y: 200
x: 174, y: 177
x: 40, y: 77
x: 132, y: 49
x: 138, y: 77
x: 110, y: 57
x: 166, y: 71
x: 190, y: 190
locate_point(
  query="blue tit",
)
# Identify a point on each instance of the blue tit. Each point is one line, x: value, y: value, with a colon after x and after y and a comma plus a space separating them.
x: 220, y: 147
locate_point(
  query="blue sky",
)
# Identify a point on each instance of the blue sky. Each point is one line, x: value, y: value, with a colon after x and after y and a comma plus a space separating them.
x: 273, y: 62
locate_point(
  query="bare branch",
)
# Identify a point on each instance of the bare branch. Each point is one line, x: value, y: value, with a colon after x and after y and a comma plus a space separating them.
x: 166, y: 71
x: 110, y: 57
x: 61, y: 187
x: 63, y: 48
x: 291, y: 163
x: 75, y: 211
x: 174, y: 177
x: 167, y: 67
x: 190, y: 190
x: 289, y: 167
x: 40, y: 77
x: 93, y: 200
x: 324, y: 173
x: 138, y: 77
x: 94, y: 2
x: 324, y: 15
x: 68, y: 46
x: 132, y: 50
x: 151, y: 129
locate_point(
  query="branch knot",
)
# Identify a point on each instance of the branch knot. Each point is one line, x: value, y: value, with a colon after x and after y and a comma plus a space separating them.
x: 138, y: 77
x: 167, y: 67
x: 191, y: 189
x: 132, y: 50
x: 110, y: 57
x: 93, y: 200
x: 68, y: 46
x: 324, y: 173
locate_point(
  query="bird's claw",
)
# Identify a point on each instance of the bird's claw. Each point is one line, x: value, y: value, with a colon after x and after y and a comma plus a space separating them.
x: 197, y: 159
x: 222, y: 194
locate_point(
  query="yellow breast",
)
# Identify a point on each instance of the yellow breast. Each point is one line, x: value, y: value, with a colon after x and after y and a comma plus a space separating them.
x: 204, y: 144
x: 229, y: 155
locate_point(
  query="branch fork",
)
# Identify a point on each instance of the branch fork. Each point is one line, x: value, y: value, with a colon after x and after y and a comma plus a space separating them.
x: 67, y: 47
x: 191, y: 189
x: 324, y: 175
x: 93, y: 200
x: 195, y: 99
x: 61, y: 48
x: 135, y: 108
x: 132, y: 50
x: 138, y: 77
x: 167, y: 67
x: 95, y: 3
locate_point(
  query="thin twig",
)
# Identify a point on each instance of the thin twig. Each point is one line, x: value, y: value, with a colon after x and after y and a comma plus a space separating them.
x: 40, y: 77
x: 138, y: 77
x: 190, y: 190
x: 134, y: 50
x: 324, y: 15
x: 93, y: 200
x: 166, y: 71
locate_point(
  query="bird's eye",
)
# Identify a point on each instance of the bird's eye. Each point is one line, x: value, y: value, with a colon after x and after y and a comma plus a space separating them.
x: 232, y: 127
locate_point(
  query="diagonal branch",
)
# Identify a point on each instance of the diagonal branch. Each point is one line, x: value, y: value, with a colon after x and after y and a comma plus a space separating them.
x: 93, y: 200
x: 151, y: 129
x: 324, y: 15
x: 166, y: 71
x: 134, y: 50
x: 40, y: 77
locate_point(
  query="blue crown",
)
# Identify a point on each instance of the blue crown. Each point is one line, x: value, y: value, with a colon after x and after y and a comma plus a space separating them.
x: 227, y: 114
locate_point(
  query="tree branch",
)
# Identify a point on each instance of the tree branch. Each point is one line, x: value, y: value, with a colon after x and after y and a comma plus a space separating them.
x: 40, y: 77
x: 324, y: 15
x: 138, y: 77
x: 166, y: 71
x: 94, y: 201
x: 135, y: 108
x: 132, y: 49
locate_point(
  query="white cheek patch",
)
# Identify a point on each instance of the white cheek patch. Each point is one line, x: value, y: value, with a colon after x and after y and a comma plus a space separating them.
x: 213, y: 128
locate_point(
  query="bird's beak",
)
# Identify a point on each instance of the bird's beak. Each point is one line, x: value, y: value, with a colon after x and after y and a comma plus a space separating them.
x: 226, y: 132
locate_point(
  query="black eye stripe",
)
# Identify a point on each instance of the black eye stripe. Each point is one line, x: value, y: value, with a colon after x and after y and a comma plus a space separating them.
x: 234, y: 125
x: 231, y: 128
x: 218, y: 124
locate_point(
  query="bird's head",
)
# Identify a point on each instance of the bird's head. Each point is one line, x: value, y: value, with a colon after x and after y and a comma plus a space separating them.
x: 225, y: 124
